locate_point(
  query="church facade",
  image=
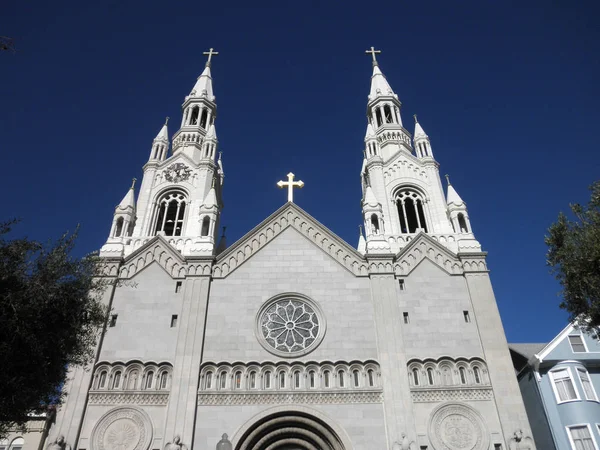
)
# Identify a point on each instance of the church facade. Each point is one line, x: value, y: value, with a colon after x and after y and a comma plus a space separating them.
x: 290, y: 338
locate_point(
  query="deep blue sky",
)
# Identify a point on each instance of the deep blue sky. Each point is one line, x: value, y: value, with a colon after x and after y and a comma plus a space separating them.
x: 507, y: 91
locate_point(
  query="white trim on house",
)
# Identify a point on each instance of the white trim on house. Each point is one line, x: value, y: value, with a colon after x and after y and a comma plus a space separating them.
x: 583, y: 369
x: 554, y: 342
x: 579, y: 425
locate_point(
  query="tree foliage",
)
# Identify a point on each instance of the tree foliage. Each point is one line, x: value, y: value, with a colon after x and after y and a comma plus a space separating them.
x: 574, y: 255
x: 50, y: 317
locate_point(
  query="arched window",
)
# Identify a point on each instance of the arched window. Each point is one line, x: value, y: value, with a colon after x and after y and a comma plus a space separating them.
x: 205, y: 226
x: 17, y: 444
x: 326, y: 378
x: 194, y: 116
x: 116, y: 380
x: 477, y: 375
x: 311, y: 377
x: 267, y: 380
x: 387, y: 111
x: 341, y: 378
x: 223, y: 380
x: 238, y: 380
x: 132, y: 379
x: 102, y: 380
x: 415, y: 374
x: 164, y: 379
x: 378, y: 117
x: 119, y: 227
x: 208, y: 380
x: 253, y: 380
x: 430, y: 376
x: 463, y: 375
x: 203, y: 118
x: 374, y: 224
x: 462, y: 223
x: 281, y: 380
x: 171, y: 210
x: 410, y: 211
x: 149, y: 379
x: 356, y: 376
x: 297, y: 379
x: 371, y: 377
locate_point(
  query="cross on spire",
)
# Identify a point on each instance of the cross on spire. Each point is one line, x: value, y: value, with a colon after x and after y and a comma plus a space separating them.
x: 448, y: 179
x: 373, y: 52
x: 210, y: 54
x: 133, y: 180
x: 291, y: 184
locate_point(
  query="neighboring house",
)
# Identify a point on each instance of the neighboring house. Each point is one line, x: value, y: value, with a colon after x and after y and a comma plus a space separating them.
x: 560, y: 382
x: 33, y: 437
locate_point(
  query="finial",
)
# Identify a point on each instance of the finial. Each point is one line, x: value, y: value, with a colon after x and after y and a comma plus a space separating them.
x: 167, y: 120
x: 210, y: 54
x: 213, y: 182
x: 373, y: 52
x: 133, y: 180
x: 220, y: 153
x: 415, y: 116
x: 360, y: 230
x: 448, y: 179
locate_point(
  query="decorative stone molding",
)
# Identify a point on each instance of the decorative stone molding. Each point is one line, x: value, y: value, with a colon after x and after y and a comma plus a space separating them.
x: 157, y: 249
x: 129, y: 398
x: 456, y: 426
x: 404, y: 168
x: 423, y: 246
x: 289, y: 216
x: 474, y: 262
x: 444, y: 395
x: 125, y: 428
x: 276, y: 398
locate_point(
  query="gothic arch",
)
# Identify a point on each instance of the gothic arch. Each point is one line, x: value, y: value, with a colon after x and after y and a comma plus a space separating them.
x: 307, y: 428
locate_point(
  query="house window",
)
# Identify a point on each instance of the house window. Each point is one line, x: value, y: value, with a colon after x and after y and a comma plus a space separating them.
x: 477, y: 375
x: 581, y: 438
x: 311, y: 377
x: 297, y: 379
x: 208, y: 382
x: 463, y: 375
x: 102, y: 382
x: 281, y: 380
x: 116, y: 380
x: 467, y: 317
x: 178, y: 285
x: 173, y: 320
x: 223, y: 380
x: 415, y: 373
x: 267, y: 380
x: 238, y: 380
x: 577, y: 344
x: 588, y: 387
x: 149, y: 379
x: 564, y: 389
x: 163, y: 380
x: 341, y: 378
x: 430, y: 376
x: 371, y: 378
x: 356, y: 378
x: 405, y: 316
x: 326, y: 378
x: 401, y: 283
x: 252, y: 380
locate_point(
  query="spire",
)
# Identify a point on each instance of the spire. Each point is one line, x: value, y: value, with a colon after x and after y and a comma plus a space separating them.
x: 379, y: 85
x: 211, y: 198
x: 163, y: 134
x: 370, y: 134
x: 419, y: 132
x: 203, y: 86
x: 453, y: 197
x: 212, y: 133
x: 129, y: 199
x: 362, y: 244
x: 370, y: 198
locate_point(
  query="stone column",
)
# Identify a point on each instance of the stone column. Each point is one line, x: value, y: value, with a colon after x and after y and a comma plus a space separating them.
x: 183, y: 398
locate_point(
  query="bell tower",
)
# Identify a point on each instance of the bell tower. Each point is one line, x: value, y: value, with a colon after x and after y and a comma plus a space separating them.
x: 180, y: 197
x: 402, y: 190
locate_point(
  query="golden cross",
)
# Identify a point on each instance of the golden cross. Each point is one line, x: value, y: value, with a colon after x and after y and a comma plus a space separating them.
x: 291, y: 184
x: 210, y: 54
x: 373, y: 52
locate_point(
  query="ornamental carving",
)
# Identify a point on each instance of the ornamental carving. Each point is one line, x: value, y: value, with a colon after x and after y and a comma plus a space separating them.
x: 290, y: 325
x: 122, y: 429
x: 458, y: 427
x: 177, y: 172
x: 306, y: 398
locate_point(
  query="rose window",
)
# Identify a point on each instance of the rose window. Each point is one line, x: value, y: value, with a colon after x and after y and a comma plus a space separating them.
x: 288, y: 326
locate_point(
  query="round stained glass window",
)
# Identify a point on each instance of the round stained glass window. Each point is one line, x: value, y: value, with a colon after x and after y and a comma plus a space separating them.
x: 290, y: 325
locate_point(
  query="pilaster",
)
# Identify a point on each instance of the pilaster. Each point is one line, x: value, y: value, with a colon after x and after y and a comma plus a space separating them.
x: 181, y: 410
x: 509, y: 402
x: 398, y: 407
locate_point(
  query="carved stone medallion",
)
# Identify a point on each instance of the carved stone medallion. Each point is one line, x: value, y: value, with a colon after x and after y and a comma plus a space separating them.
x: 177, y: 172
x: 122, y: 429
x: 458, y: 427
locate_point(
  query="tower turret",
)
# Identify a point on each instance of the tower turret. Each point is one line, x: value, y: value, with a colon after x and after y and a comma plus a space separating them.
x: 421, y: 141
x: 122, y: 225
x: 199, y: 113
x: 457, y: 210
x: 160, y: 145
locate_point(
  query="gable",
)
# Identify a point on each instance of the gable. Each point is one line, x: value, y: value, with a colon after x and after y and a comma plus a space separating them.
x: 155, y: 250
x: 424, y: 247
x: 273, y: 226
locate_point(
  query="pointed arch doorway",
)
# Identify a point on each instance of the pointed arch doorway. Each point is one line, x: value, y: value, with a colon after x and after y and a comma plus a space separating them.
x: 290, y: 430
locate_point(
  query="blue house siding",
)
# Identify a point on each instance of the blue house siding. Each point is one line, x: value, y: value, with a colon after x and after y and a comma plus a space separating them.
x: 542, y: 435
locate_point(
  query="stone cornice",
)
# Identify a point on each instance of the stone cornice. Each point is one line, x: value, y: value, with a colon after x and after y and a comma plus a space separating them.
x: 128, y: 398
x: 437, y: 395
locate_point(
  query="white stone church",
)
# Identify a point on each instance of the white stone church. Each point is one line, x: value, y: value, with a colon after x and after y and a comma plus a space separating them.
x: 290, y: 338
